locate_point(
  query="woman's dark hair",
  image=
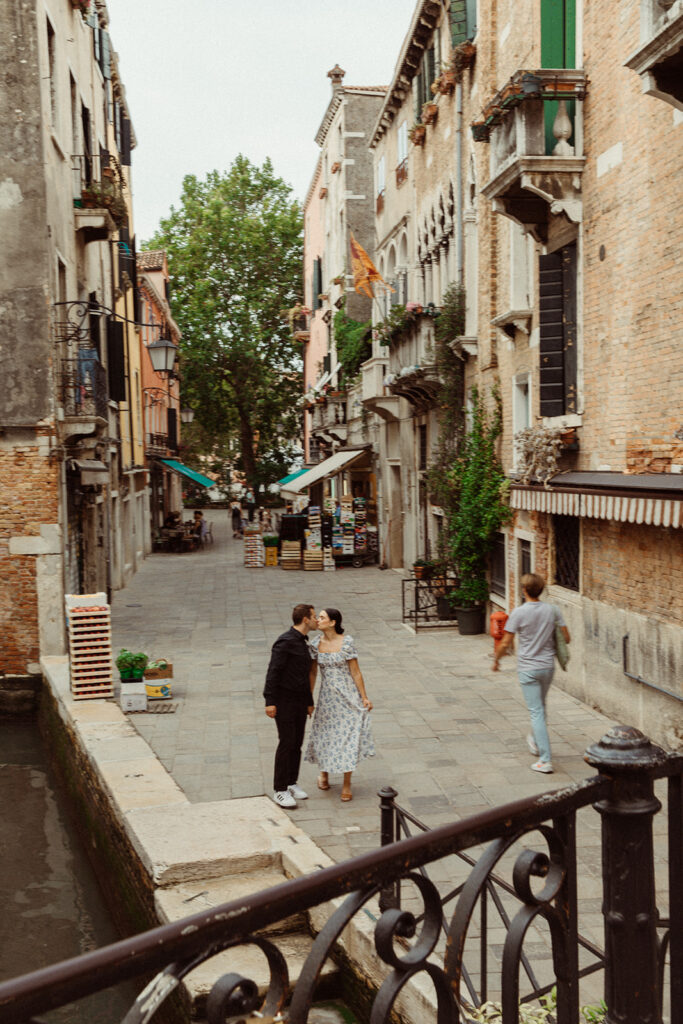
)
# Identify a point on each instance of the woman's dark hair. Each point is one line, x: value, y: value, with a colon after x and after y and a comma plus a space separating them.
x: 335, y: 615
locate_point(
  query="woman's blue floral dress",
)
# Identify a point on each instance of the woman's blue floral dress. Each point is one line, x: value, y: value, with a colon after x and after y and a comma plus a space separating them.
x: 341, y: 735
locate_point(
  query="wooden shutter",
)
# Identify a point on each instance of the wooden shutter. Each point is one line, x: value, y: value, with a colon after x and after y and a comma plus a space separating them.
x: 558, y: 369
x: 327, y: 363
x: 94, y: 323
x: 569, y: 267
x: 125, y: 141
x: 552, y: 336
x: 106, y: 55
x: 87, y: 144
x: 172, y: 429
x: 317, y: 283
x: 458, y: 22
x: 116, y: 361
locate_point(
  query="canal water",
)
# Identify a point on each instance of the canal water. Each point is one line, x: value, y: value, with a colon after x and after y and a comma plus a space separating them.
x: 51, y: 904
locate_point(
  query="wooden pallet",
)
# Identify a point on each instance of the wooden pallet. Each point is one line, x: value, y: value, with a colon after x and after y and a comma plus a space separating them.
x: 313, y: 560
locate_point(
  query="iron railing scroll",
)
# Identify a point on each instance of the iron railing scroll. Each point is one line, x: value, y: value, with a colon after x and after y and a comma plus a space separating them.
x: 82, y: 379
x: 407, y: 942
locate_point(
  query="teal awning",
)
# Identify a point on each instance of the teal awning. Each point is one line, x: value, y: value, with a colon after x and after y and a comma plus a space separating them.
x: 292, y: 476
x: 191, y: 474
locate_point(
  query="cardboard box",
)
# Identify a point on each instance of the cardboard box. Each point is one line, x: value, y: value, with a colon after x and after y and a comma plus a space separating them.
x: 163, y: 672
x: 133, y: 697
x: 158, y: 690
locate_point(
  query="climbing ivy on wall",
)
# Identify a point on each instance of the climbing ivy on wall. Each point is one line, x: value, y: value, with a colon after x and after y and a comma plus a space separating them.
x: 353, y: 342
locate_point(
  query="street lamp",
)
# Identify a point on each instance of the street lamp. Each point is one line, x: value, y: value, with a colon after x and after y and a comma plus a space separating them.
x: 163, y: 355
x: 187, y: 414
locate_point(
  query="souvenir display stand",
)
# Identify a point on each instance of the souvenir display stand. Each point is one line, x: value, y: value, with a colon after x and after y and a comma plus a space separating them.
x: 90, y: 654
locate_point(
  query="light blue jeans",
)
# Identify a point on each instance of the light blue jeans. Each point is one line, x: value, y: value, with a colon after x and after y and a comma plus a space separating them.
x: 535, y: 686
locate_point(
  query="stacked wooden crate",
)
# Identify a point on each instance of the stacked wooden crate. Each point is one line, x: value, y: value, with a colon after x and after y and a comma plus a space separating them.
x: 90, y: 654
x: 313, y: 560
x: 290, y: 554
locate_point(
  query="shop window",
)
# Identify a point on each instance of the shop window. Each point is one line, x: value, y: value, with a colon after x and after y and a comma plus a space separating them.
x: 498, y: 575
x: 566, y: 537
x: 558, y: 364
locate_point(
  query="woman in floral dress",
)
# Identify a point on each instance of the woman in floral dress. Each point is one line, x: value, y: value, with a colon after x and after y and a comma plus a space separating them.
x: 341, y: 734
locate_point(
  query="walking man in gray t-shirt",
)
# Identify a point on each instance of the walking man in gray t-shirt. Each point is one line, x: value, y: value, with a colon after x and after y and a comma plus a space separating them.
x: 534, y: 622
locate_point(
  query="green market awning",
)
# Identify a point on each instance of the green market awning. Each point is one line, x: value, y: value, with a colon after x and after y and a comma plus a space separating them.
x: 292, y: 476
x: 191, y: 474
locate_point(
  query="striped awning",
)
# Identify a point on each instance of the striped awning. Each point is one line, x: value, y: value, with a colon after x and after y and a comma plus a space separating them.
x: 649, y: 509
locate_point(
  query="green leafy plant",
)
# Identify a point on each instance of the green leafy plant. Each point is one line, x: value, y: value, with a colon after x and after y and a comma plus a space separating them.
x: 353, y: 343
x: 129, y: 664
x: 270, y: 540
x: 480, y: 487
x: 395, y: 324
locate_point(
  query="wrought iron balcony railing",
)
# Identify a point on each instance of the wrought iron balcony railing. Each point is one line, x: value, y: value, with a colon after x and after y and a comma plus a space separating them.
x: 533, y: 840
x: 83, y: 385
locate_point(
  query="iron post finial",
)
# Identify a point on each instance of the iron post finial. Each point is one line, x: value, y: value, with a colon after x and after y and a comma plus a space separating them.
x: 624, y: 748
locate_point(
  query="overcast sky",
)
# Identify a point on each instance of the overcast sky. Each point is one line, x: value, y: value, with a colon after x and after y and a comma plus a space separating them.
x: 208, y: 79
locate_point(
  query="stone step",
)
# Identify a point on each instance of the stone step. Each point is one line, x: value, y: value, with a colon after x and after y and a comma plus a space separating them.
x: 290, y: 936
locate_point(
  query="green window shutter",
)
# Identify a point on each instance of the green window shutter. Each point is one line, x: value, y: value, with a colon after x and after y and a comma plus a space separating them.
x: 558, y: 50
x: 106, y: 55
x: 458, y: 22
x: 471, y: 7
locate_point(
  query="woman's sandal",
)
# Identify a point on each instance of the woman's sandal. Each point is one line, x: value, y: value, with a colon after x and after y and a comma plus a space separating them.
x: 346, y: 796
x: 323, y: 783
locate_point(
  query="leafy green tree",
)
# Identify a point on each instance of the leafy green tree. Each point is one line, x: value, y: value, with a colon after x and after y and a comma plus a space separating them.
x: 234, y: 248
x: 353, y: 343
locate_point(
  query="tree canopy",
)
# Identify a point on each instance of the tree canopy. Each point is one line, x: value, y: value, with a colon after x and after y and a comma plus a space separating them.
x: 234, y: 249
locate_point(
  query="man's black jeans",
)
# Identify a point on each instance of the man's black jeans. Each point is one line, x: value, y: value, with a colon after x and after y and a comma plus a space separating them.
x: 291, y: 725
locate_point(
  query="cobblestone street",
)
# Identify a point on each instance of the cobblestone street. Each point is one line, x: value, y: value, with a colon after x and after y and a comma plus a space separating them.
x: 450, y: 734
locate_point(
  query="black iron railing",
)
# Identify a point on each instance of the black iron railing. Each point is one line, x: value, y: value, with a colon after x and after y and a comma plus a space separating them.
x: 543, y: 880
x: 425, y: 601
x: 83, y: 385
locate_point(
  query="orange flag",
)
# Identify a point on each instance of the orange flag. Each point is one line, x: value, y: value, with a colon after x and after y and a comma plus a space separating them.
x: 364, y: 270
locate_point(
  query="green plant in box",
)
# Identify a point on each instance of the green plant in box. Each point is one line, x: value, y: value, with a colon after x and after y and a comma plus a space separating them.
x: 269, y: 540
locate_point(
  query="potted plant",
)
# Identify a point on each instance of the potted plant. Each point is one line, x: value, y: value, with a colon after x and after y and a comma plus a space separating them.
x: 462, y: 57
x: 417, y: 134
x: 131, y: 666
x: 480, y: 131
x: 419, y: 566
x: 429, y: 112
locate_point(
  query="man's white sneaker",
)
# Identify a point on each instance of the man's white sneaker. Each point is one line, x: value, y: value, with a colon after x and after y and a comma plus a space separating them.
x: 284, y: 798
x: 297, y: 792
x: 542, y: 766
x: 531, y: 744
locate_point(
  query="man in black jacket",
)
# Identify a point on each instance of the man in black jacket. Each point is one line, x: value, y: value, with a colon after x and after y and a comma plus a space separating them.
x: 288, y: 698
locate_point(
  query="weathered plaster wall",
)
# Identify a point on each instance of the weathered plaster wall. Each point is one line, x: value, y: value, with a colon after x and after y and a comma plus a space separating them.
x: 25, y: 364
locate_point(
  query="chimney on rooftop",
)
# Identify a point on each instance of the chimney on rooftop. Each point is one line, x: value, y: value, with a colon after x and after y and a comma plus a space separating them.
x: 336, y: 74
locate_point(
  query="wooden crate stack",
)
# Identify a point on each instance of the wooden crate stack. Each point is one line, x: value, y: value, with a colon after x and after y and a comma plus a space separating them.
x: 290, y: 554
x: 313, y: 559
x: 89, y: 618
x: 254, y: 551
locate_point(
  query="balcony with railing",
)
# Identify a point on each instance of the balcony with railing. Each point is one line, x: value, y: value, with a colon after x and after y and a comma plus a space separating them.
x: 329, y: 416
x: 535, y: 130
x: 437, y: 921
x: 99, y: 195
x: 659, y: 58
x: 82, y: 380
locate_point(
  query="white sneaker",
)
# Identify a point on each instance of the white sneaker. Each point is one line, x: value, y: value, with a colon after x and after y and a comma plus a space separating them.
x: 284, y: 798
x: 531, y: 744
x: 297, y: 792
x: 542, y: 766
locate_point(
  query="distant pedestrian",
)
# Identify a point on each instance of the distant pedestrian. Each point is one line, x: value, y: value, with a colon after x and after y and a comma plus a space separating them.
x: 251, y: 504
x: 289, y: 701
x: 341, y: 735
x: 236, y: 513
x: 534, y: 622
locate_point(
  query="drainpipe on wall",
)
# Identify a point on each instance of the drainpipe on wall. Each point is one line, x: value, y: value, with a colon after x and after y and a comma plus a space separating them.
x: 459, y: 261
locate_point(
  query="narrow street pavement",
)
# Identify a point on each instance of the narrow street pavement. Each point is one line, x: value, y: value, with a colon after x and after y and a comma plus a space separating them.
x: 449, y: 733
